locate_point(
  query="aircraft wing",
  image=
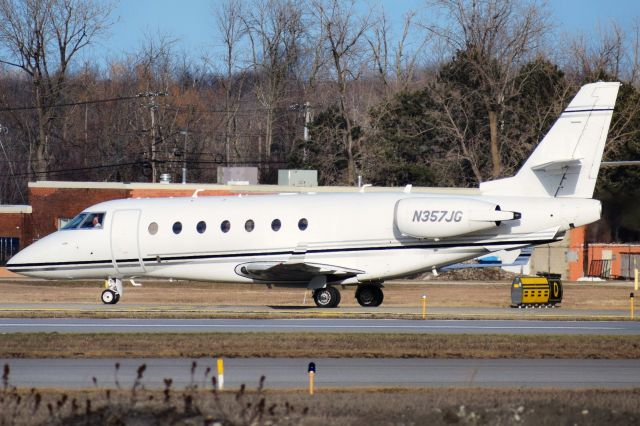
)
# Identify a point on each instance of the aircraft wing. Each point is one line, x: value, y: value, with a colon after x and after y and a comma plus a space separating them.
x: 291, y: 272
x: 501, y: 259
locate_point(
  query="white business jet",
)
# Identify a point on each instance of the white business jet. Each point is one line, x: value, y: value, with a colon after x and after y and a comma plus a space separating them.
x: 326, y: 241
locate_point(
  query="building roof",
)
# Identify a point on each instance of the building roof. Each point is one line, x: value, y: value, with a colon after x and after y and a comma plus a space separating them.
x: 16, y: 209
x: 243, y: 188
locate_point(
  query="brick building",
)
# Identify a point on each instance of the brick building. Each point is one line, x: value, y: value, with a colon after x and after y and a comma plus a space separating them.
x: 15, y: 230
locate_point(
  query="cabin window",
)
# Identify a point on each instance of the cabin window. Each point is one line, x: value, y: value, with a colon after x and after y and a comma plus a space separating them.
x: 276, y: 224
x: 73, y: 223
x: 249, y: 225
x: 302, y: 224
x: 86, y: 221
x: 201, y: 227
x: 63, y: 222
x: 153, y: 228
x: 225, y: 226
x: 177, y: 228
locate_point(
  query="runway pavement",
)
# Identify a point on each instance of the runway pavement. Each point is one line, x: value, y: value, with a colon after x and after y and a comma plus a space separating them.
x: 520, y: 327
x: 330, y: 373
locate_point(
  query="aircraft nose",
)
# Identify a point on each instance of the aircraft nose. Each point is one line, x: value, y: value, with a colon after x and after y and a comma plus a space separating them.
x: 16, y: 260
x: 25, y: 258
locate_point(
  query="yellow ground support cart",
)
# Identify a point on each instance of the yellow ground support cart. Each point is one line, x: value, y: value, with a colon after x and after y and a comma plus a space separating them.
x: 544, y: 290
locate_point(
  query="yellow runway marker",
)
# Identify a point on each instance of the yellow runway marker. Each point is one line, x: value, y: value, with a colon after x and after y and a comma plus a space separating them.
x: 220, y: 374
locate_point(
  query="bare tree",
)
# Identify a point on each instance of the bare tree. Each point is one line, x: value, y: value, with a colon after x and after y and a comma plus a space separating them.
x: 42, y: 37
x: 343, y: 36
x: 634, y: 71
x: 396, y: 58
x: 494, y: 38
x: 276, y: 33
x: 229, y: 20
x: 591, y: 57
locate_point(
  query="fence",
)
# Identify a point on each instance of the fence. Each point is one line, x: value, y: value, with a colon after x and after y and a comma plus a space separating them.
x: 600, y: 268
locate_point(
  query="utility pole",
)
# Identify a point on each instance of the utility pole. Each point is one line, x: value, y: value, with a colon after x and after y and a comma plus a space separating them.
x: 184, y: 156
x: 152, y: 109
x: 307, y: 120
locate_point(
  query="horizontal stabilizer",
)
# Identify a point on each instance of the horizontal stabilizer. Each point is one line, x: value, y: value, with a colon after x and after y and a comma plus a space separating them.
x: 557, y: 165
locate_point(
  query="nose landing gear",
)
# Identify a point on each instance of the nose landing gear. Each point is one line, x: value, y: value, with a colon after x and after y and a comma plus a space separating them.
x: 113, y: 291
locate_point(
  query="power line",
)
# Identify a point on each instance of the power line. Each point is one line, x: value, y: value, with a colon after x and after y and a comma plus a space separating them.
x: 94, y: 101
x: 75, y: 169
x: 184, y: 108
x: 143, y: 164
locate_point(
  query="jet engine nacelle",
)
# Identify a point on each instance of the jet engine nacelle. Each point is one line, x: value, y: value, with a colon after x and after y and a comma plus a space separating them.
x: 447, y: 217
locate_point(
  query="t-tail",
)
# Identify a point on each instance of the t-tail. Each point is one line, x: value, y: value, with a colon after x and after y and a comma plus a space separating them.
x: 567, y: 161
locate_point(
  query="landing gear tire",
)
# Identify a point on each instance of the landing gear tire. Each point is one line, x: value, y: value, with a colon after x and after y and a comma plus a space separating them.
x: 113, y: 291
x: 327, y: 297
x: 369, y: 296
x: 109, y: 297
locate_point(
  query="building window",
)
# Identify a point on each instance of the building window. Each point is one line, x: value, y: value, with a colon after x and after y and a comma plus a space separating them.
x: 8, y: 247
x: 302, y: 224
x: 276, y: 224
x: 177, y: 228
x: 249, y: 225
x: 201, y: 227
x: 225, y: 226
x: 153, y: 228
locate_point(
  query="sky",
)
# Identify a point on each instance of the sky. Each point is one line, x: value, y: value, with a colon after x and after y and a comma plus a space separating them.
x: 192, y: 24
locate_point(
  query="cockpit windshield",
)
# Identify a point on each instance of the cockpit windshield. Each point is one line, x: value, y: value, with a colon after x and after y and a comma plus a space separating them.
x: 86, y: 220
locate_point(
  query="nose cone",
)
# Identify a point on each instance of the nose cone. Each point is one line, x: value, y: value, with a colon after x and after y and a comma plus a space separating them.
x: 37, y: 259
x: 27, y: 258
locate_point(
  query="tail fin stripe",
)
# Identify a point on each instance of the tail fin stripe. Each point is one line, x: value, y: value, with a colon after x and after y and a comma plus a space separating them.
x: 588, y: 110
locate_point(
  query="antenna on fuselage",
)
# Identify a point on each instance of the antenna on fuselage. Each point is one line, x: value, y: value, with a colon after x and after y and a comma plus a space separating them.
x: 195, y: 193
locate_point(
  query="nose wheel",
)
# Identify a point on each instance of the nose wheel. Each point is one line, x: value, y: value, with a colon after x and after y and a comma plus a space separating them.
x: 110, y: 297
x: 112, y: 294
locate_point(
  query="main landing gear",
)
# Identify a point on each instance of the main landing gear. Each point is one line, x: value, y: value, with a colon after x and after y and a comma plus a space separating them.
x: 370, y: 295
x: 113, y: 291
x: 326, y: 297
x: 367, y: 295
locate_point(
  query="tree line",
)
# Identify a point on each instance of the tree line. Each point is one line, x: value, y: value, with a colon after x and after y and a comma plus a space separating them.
x: 457, y: 93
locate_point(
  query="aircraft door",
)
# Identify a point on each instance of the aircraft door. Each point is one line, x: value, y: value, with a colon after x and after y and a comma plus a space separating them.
x: 125, y: 246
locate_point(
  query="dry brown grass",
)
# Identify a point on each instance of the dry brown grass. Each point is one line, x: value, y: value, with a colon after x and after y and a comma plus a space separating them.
x: 353, y: 407
x: 334, y: 345
x: 397, y: 294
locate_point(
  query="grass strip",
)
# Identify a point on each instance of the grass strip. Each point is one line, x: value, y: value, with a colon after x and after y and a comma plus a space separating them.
x: 297, y: 315
x: 337, y: 408
x: 331, y: 345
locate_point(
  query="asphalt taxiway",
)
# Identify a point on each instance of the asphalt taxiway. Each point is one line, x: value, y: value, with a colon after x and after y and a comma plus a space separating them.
x: 330, y: 373
x: 316, y: 325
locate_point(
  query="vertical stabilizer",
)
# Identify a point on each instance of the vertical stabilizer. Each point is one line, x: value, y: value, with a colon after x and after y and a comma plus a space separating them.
x: 567, y: 161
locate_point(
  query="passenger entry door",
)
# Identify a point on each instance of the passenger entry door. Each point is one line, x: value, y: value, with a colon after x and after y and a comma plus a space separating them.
x: 125, y: 247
